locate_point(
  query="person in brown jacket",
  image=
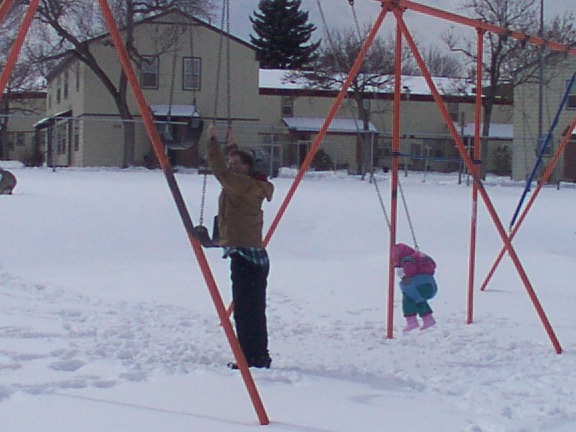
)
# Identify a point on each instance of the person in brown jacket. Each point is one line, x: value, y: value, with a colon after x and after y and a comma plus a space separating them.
x: 240, y: 221
x: 7, y: 182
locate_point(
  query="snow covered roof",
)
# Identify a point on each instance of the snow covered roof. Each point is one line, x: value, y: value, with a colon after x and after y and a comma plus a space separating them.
x: 497, y: 130
x: 280, y: 79
x: 49, y: 120
x: 313, y: 124
x: 414, y: 85
x: 175, y: 110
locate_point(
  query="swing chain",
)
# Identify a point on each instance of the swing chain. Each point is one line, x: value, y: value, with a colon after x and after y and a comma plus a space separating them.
x: 228, y: 67
x: 203, y: 199
x: 171, y: 98
x: 408, y: 217
x: 381, y: 200
x: 219, y: 64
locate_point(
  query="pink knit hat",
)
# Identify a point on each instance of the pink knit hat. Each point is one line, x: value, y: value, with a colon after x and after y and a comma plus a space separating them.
x: 399, y: 251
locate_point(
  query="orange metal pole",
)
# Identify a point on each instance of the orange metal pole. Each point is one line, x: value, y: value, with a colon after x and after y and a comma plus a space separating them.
x: 324, y: 128
x: 394, y: 182
x: 477, y: 144
x: 184, y: 214
x: 478, y: 24
x: 321, y: 133
x: 17, y: 45
x: 482, y: 191
x: 545, y: 177
x: 4, y: 8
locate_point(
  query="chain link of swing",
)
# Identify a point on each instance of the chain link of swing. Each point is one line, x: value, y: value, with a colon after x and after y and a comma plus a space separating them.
x: 405, y: 205
x: 224, y: 27
x: 358, y: 131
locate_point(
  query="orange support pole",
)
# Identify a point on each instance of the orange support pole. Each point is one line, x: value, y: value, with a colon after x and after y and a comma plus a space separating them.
x: 324, y: 128
x: 476, y: 174
x: 4, y: 8
x: 322, y: 132
x: 394, y: 180
x: 482, y: 191
x: 17, y: 45
x: 184, y: 214
x: 543, y: 180
x: 482, y: 25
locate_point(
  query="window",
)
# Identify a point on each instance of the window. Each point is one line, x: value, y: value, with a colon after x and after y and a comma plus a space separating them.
x: 366, y: 105
x: 149, y: 72
x: 20, y: 139
x: 76, y: 136
x: 548, y: 150
x: 66, y: 79
x: 62, y: 137
x: 453, y: 111
x: 191, y: 73
x: 287, y: 106
x: 384, y: 148
x: 42, y: 138
x: 11, y: 138
x: 78, y: 76
x: 59, y: 90
x: 571, y: 103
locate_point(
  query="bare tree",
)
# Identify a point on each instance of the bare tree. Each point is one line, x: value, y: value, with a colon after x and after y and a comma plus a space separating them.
x: 505, y: 56
x: 441, y: 63
x: 339, y: 50
x: 25, y: 76
x: 66, y: 26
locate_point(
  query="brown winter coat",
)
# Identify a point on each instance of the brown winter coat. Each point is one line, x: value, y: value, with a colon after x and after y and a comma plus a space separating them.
x: 240, y: 216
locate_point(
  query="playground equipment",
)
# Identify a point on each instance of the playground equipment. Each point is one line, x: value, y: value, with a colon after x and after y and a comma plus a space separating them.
x: 395, y: 8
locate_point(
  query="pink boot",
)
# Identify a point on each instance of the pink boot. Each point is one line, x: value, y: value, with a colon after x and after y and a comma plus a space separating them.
x: 411, y: 323
x: 427, y: 321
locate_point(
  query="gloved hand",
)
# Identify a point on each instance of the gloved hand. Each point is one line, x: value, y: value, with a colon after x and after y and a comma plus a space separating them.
x: 213, y: 131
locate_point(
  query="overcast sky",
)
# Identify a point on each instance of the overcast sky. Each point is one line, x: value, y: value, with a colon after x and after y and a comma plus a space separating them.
x: 338, y: 14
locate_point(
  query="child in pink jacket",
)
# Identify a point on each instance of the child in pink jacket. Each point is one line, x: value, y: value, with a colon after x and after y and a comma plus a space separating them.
x: 417, y: 283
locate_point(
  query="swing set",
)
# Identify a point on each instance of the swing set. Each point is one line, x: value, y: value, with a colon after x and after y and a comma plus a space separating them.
x: 181, y: 126
x: 396, y: 8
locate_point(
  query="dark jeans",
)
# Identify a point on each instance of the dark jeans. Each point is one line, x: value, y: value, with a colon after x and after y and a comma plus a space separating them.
x: 249, y: 295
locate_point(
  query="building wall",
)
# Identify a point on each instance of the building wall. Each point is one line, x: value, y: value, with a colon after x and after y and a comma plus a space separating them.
x: 255, y: 116
x: 423, y: 131
x: 101, y: 131
x: 526, y: 119
x: 25, y: 110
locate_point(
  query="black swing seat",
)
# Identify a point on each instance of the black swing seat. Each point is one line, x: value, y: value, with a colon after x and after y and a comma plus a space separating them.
x: 180, y: 126
x: 201, y: 234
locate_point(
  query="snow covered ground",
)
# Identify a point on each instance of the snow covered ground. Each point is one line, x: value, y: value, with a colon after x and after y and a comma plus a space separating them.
x: 106, y: 323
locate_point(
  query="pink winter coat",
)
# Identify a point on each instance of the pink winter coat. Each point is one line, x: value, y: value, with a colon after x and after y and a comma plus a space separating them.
x: 413, y: 262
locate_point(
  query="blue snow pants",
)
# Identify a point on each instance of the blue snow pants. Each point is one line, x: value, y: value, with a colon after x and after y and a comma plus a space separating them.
x: 416, y: 291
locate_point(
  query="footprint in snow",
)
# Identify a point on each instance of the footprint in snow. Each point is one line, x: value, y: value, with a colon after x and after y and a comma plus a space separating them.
x: 68, y: 365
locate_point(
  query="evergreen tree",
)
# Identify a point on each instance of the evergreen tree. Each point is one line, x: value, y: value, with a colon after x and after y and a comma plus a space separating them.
x: 283, y: 34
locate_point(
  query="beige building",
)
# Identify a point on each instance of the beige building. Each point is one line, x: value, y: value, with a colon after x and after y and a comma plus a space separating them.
x: 293, y: 113
x: 18, y: 139
x: 526, y: 119
x: 266, y: 108
x: 178, y: 75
